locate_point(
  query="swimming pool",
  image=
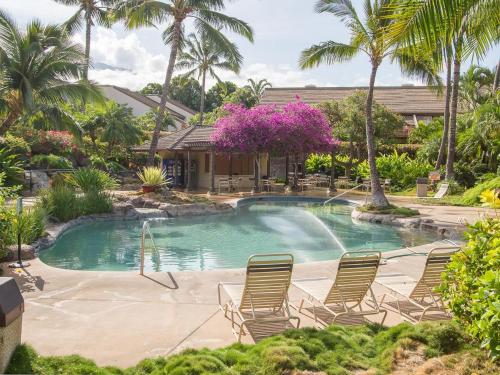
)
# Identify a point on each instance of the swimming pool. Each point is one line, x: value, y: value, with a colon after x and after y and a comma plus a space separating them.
x: 308, y: 230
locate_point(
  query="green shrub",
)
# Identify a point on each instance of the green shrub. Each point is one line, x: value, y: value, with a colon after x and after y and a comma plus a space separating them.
x: 472, y: 196
x: 152, y: 176
x: 16, y: 145
x: 401, y: 169
x: 472, y: 284
x: 12, y: 168
x: 31, y: 224
x: 318, y: 163
x: 50, y: 161
x: 95, y: 202
x: 91, y: 179
x: 61, y: 202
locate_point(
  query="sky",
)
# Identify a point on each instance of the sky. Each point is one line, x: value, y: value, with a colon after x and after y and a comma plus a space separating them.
x: 282, y: 29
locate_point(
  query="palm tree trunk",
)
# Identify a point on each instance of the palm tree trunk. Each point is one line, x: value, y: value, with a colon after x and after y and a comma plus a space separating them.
x: 378, y: 198
x: 7, y: 123
x: 446, y: 125
x: 202, y: 99
x: 332, y: 173
x: 88, y: 28
x: 496, y: 82
x: 164, y: 95
x: 453, y: 117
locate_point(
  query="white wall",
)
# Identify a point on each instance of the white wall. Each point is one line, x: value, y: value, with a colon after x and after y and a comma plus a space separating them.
x: 138, y: 108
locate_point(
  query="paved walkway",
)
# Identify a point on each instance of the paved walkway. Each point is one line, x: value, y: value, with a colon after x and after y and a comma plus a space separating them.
x: 119, y: 318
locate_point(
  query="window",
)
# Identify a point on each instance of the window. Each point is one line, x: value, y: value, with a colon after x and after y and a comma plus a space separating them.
x: 241, y: 164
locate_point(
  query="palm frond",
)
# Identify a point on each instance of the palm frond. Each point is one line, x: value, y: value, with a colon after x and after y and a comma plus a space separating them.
x: 328, y: 53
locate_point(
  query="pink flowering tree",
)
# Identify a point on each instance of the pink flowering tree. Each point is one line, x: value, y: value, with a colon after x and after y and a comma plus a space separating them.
x: 296, y: 129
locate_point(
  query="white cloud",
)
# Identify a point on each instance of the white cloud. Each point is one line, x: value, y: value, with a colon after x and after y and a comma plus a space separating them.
x: 143, y: 67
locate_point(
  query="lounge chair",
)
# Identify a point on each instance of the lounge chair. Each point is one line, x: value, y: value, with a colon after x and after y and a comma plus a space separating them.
x: 263, y: 298
x: 339, y: 297
x: 410, y: 296
x: 443, y: 190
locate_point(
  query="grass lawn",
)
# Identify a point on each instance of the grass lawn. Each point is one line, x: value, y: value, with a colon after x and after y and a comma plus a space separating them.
x: 389, y: 210
x: 334, y: 350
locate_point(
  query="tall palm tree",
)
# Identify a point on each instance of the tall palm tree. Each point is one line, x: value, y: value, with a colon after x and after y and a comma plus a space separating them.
x: 204, y: 55
x: 117, y: 122
x: 369, y: 37
x: 475, y: 86
x: 257, y: 88
x: 89, y: 13
x: 470, y: 27
x: 207, y: 18
x: 39, y: 71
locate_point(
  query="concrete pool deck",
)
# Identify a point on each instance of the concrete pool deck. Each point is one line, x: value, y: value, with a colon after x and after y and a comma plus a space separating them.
x: 119, y: 318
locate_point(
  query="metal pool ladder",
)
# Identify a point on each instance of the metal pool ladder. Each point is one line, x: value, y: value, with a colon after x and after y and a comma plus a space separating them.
x: 146, y: 231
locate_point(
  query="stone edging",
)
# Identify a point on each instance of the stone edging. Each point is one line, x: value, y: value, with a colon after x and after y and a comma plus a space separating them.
x: 388, y: 219
x: 126, y: 211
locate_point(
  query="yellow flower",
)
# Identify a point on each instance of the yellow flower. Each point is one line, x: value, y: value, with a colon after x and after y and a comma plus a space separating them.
x: 490, y: 198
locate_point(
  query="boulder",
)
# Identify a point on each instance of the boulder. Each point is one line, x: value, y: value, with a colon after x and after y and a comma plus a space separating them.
x: 39, y: 180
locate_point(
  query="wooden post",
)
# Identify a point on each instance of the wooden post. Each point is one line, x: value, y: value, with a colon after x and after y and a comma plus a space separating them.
x: 256, y: 173
x: 188, y: 171
x: 230, y: 164
x: 212, y: 171
x: 332, y: 173
x: 287, y: 162
x: 268, y: 166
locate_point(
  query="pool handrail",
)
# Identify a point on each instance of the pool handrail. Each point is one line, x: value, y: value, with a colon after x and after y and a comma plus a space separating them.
x: 337, y: 196
x: 146, y: 229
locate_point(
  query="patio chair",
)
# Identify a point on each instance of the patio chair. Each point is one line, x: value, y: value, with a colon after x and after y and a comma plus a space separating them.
x: 443, y: 190
x: 420, y: 296
x: 339, y: 297
x: 263, y: 298
x: 225, y: 183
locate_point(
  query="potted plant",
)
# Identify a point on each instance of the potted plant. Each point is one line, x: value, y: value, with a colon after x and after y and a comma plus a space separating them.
x: 152, y: 178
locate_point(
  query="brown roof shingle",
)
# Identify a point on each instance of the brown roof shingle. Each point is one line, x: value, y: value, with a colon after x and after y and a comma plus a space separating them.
x: 405, y: 100
x: 192, y: 136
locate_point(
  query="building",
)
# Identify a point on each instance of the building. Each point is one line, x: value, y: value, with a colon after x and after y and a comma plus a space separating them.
x: 142, y: 104
x: 190, y: 149
x: 413, y: 103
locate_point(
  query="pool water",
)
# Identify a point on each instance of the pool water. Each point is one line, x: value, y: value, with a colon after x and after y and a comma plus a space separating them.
x: 310, y: 232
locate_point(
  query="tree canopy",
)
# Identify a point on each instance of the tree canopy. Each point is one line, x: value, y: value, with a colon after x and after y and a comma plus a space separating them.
x: 297, y: 128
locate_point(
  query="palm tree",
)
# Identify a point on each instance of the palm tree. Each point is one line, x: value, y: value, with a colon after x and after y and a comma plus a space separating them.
x: 470, y: 27
x: 117, y: 123
x: 257, y: 88
x: 90, y: 12
x: 39, y: 71
x: 475, y: 86
x: 205, y: 55
x: 370, y: 38
x: 207, y: 18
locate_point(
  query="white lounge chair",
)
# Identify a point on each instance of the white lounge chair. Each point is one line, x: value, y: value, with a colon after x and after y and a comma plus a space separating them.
x: 443, y: 190
x: 411, y: 296
x: 339, y: 297
x: 263, y: 298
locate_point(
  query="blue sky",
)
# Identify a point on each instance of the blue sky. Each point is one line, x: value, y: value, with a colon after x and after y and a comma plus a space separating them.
x: 283, y: 28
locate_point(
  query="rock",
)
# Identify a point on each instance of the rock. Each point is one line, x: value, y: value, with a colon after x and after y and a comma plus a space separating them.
x: 39, y: 180
x: 150, y: 203
x: 137, y: 201
x: 27, y: 253
x: 121, y: 208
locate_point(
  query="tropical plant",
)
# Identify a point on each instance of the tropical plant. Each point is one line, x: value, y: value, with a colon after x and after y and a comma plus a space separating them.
x: 152, y: 176
x: 475, y: 86
x: 89, y: 13
x: 30, y: 224
x: 258, y: 87
x: 471, y: 284
x: 468, y: 27
x: 490, y: 198
x: 401, y: 169
x: 40, y: 69
x: 371, y: 38
x: 218, y: 93
x: 186, y: 91
x: 11, y: 168
x: 118, y: 126
x: 60, y: 201
x: 207, y: 18
x: 203, y: 55
x: 50, y: 161
x: 91, y: 180
x: 473, y: 196
x: 151, y: 88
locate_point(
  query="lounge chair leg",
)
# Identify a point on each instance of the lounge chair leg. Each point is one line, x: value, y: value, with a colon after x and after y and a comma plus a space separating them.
x: 301, y: 304
x: 383, y: 318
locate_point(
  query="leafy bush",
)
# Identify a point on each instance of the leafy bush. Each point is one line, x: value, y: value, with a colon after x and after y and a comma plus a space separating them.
x: 152, y: 176
x: 472, y: 196
x: 91, y: 180
x: 318, y: 163
x: 16, y: 145
x: 334, y: 350
x: 401, y: 169
x: 95, y: 202
x: 61, y: 202
x: 11, y: 167
x: 51, y: 162
x: 472, y: 284
x: 31, y: 224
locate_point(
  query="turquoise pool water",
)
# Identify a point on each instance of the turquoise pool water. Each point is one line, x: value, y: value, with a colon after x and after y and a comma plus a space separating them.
x: 309, y: 231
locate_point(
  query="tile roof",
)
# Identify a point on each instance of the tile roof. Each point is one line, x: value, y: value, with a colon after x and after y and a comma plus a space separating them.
x: 146, y: 100
x: 405, y: 100
x: 192, y: 136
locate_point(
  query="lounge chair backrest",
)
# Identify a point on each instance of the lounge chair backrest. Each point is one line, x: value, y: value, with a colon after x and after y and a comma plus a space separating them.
x: 443, y: 189
x: 355, y: 275
x: 437, y: 260
x: 267, y: 281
